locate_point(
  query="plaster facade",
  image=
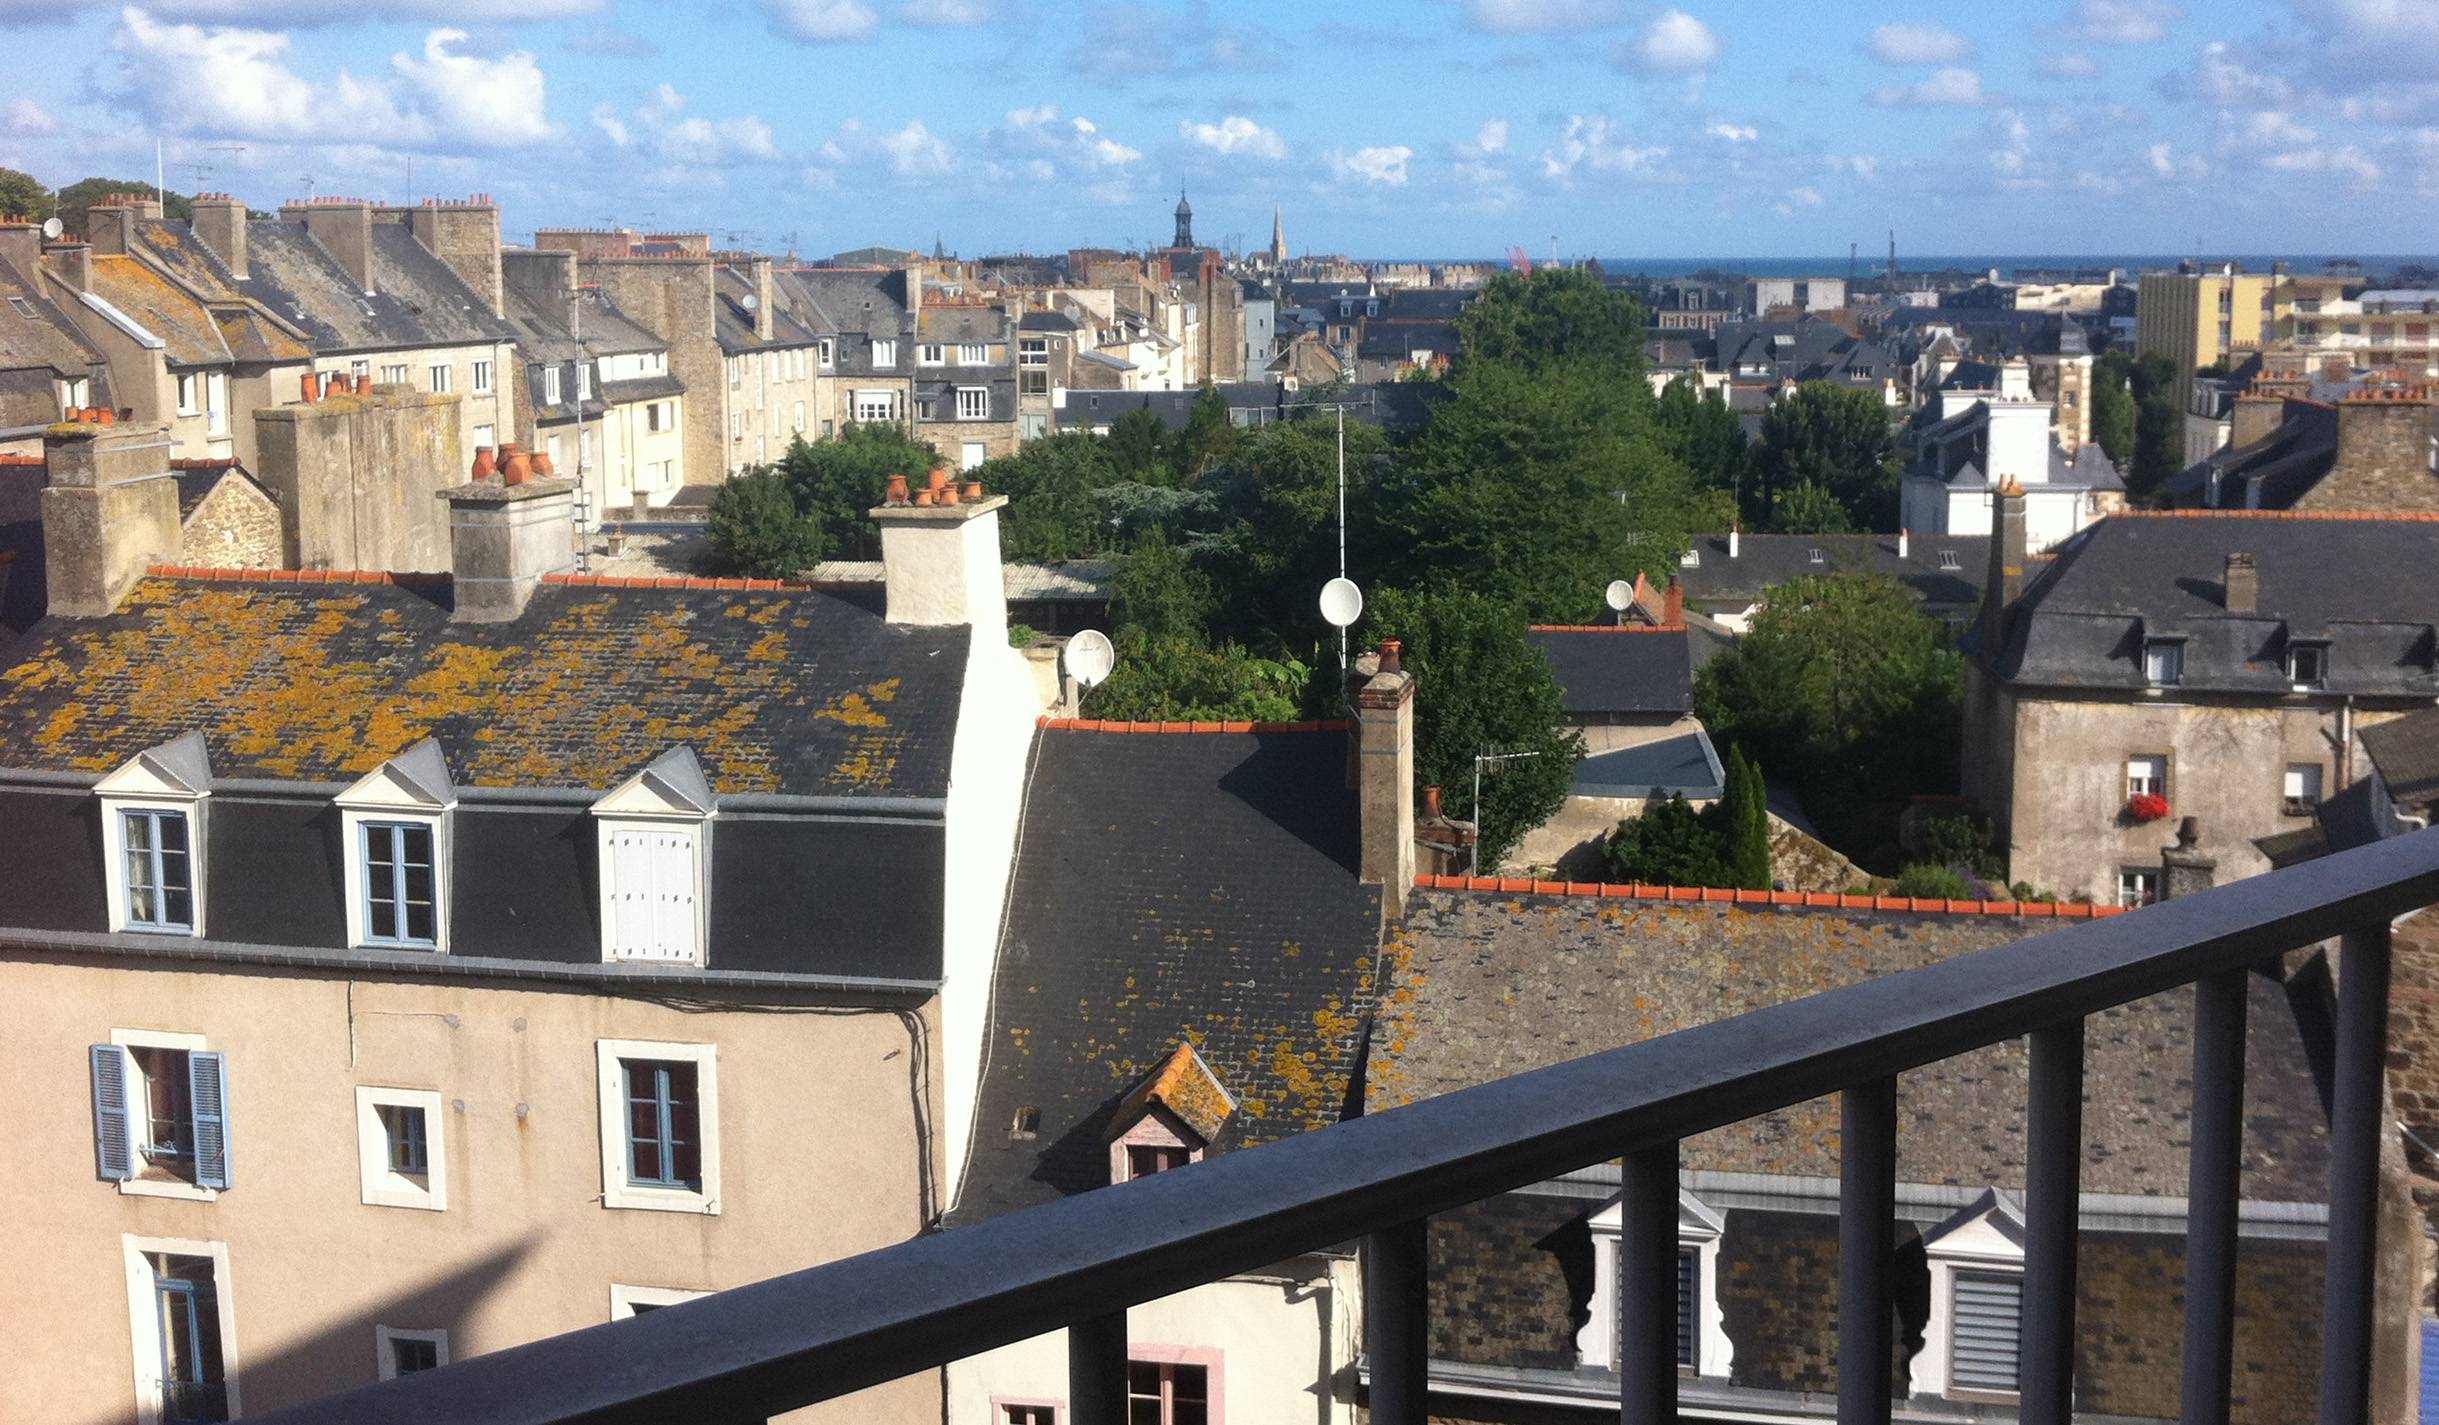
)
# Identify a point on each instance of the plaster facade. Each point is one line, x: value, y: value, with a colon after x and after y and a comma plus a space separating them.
x: 357, y: 476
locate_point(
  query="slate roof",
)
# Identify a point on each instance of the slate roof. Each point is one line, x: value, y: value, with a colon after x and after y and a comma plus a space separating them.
x: 1478, y: 986
x: 1686, y: 765
x: 1807, y: 349
x: 189, y: 336
x: 416, y: 299
x: 1187, y: 887
x: 1606, y: 671
x: 1047, y: 322
x: 46, y: 341
x: 2084, y: 618
x: 2271, y: 472
x: 196, y: 483
x: 248, y: 332
x: 1764, y: 561
x: 2406, y: 750
x: 1399, y: 340
x: 733, y: 322
x: 776, y: 691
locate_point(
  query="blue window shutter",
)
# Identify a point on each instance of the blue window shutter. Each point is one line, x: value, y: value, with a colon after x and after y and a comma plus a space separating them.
x: 113, y: 1151
x: 208, y: 1094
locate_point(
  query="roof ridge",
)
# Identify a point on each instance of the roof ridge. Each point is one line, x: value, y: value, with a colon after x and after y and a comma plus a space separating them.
x: 696, y: 581
x: 1605, y: 628
x: 2401, y: 516
x: 1086, y: 724
x: 205, y: 572
x: 1817, y: 900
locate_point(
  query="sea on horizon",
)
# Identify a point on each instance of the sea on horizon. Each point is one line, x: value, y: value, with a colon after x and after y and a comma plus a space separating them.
x: 1866, y: 265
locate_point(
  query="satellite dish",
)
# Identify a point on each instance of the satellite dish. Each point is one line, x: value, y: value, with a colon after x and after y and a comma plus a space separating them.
x: 749, y: 301
x: 53, y: 227
x: 1089, y: 657
x: 1620, y: 595
x: 1341, y: 602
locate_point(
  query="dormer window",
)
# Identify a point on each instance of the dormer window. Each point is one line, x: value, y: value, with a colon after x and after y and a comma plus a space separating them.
x: 653, y: 832
x: 2164, y: 662
x: 1690, y: 559
x: 152, y: 838
x: 396, y: 820
x: 1170, y: 1118
x: 2307, y: 664
x: 1972, y: 1345
x: 1813, y: 555
x: 1703, y: 1348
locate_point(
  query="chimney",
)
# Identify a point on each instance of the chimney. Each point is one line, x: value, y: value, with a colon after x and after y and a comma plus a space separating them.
x: 20, y: 244
x: 344, y: 228
x: 1735, y: 536
x: 110, y: 223
x: 2183, y: 868
x: 2241, y: 585
x: 502, y: 539
x: 940, y: 560
x: 1672, y: 604
x: 758, y: 275
x: 1382, y: 693
x: 2006, y: 577
x: 220, y: 224
x: 110, y: 507
x: 465, y: 234
x: 2383, y: 455
x: 72, y: 263
x: 2256, y: 414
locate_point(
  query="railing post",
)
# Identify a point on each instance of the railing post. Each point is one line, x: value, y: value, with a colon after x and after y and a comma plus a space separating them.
x: 2052, y: 1186
x: 1096, y: 1371
x: 2356, y: 1127
x: 2210, y: 1212
x: 1647, y: 1288
x: 1396, y: 1320
x: 1867, y: 1218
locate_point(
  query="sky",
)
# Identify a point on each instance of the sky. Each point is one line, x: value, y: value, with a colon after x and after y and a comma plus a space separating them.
x: 1380, y: 127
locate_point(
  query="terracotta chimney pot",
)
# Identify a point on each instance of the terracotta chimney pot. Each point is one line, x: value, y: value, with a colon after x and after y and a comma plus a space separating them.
x: 103, y: 415
x: 973, y: 492
x: 939, y: 477
x: 484, y: 466
x: 311, y: 386
x: 520, y: 467
x: 1431, y: 804
x: 897, y: 490
x: 1390, y: 656
x: 923, y: 499
x: 364, y: 385
x: 544, y: 467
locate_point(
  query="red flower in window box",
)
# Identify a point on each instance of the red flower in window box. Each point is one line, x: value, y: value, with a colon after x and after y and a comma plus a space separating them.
x: 2147, y: 806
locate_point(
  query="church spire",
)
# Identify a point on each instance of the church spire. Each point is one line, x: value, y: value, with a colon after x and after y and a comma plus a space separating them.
x: 1278, y: 236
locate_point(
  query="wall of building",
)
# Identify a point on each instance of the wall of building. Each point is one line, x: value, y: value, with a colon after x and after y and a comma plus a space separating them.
x: 671, y: 297
x: 235, y: 527
x: 2384, y: 458
x: 773, y: 397
x: 358, y: 478
x: 489, y: 415
x: 523, y: 1250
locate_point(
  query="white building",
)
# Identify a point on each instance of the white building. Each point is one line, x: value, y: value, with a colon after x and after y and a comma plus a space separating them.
x: 1981, y: 439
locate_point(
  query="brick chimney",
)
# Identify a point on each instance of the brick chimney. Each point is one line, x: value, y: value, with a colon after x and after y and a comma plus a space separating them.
x: 758, y: 276
x: 465, y: 234
x: 1382, y: 693
x: 1672, y: 604
x: 220, y: 224
x: 110, y: 507
x: 344, y: 228
x: 502, y: 539
x: 110, y: 223
x: 940, y: 557
x: 2256, y: 414
x: 2007, y: 555
x: 2383, y: 455
x: 2183, y: 868
x: 2241, y: 585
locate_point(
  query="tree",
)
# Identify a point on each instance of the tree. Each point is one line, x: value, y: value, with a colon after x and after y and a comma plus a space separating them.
x: 1480, y: 688
x: 1836, y: 437
x: 1556, y: 317
x: 1670, y: 844
x: 838, y: 480
x: 23, y: 196
x: 2113, y: 406
x: 2159, y: 425
x: 1157, y: 594
x: 1702, y: 433
x: 1206, y: 439
x: 1748, y: 824
x: 755, y: 528
x: 1807, y: 509
x: 1269, y: 539
x: 1183, y: 680
x: 1056, y: 498
x: 76, y: 201
x: 1138, y: 447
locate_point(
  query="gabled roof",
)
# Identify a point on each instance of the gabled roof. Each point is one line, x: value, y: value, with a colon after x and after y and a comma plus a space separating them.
x: 1184, y: 1086
x: 1765, y: 561
x: 1632, y: 670
x: 2406, y: 751
x: 44, y: 341
x: 416, y: 299
x: 187, y: 332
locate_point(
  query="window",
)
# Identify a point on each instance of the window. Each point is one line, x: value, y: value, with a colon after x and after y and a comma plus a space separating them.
x: 826, y: 350
x: 394, y: 375
x: 1028, y: 1124
x: 1813, y: 555
x: 884, y: 353
x: 1986, y: 1311
x: 1033, y: 351
x: 2307, y: 664
x: 153, y: 838
x: 402, y: 1151
x: 395, y: 818
x: 973, y: 353
x: 1013, y: 1412
x: 2146, y: 776
x: 796, y: 418
x: 190, y: 395
x: 402, y: 1352
x: 440, y: 379
x: 551, y: 447
x: 1168, y: 1393
x: 1702, y: 1341
x: 1971, y: 1344
x: 2302, y: 788
x: 972, y: 454
x: 1145, y: 1159
x: 359, y: 368
x: 21, y: 306
x: 627, y: 1302
x: 2137, y: 888
x: 584, y: 381
x: 736, y: 373
x: 550, y: 385
x: 160, y: 886
x: 2164, y: 662
x: 659, y: 1126
x: 924, y: 408
x: 482, y: 378
x: 872, y: 406
x: 400, y: 892
x: 656, y: 416
x: 1033, y: 425
x: 183, y: 1331
x: 216, y: 402
x: 1033, y: 383
x: 973, y: 403
x: 74, y: 392
x: 736, y: 426
x: 930, y: 353
x: 160, y: 1114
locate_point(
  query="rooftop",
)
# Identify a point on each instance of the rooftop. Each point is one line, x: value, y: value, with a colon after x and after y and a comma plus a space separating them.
x: 1608, y: 670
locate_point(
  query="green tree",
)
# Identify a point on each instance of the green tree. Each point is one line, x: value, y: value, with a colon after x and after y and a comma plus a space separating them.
x: 1747, y: 831
x: 23, y: 196
x: 1206, y: 439
x: 1138, y: 447
x: 1807, y: 508
x: 1557, y: 317
x: 839, y: 479
x: 1056, y: 490
x: 1183, y: 680
x: 1269, y: 539
x: 755, y: 528
x: 1837, y: 437
x: 1157, y: 594
x: 1480, y: 688
x: 77, y: 199
x: 1925, y: 881
x: 2159, y: 424
x: 1670, y: 844
x: 1702, y: 433
x: 2113, y: 406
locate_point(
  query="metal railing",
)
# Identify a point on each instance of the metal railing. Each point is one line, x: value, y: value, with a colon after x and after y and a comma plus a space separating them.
x: 813, y: 1335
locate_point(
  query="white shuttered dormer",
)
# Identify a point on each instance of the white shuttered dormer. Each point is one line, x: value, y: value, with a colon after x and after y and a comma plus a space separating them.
x: 654, y: 842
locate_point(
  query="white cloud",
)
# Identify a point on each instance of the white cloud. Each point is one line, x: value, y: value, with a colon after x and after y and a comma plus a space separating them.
x: 2348, y: 160
x: 1733, y: 133
x: 27, y: 117
x: 2125, y: 22
x: 1491, y: 137
x: 2072, y: 64
x: 612, y: 127
x: 305, y: 14
x: 1235, y: 134
x: 1586, y: 144
x: 1533, y: 17
x: 1919, y: 44
x: 913, y: 152
x: 1804, y: 197
x: 483, y: 103
x: 945, y: 14
x: 2220, y: 77
x: 662, y: 126
x: 2274, y: 128
x: 1674, y: 43
x: 1034, y: 117
x: 1954, y: 85
x: 1862, y: 165
x: 1381, y: 167
x: 821, y: 21
x: 2014, y: 147
x: 1035, y: 143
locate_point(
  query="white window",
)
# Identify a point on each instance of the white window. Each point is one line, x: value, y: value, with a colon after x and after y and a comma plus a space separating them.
x: 973, y: 403
x: 660, y: 1125
x: 2146, y: 776
x: 884, y: 353
x: 216, y: 402
x: 1033, y: 425
x: 930, y: 353
x: 75, y: 392
x: 584, y: 380
x: 2302, y: 788
x: 2307, y: 664
x: 396, y: 824
x: 482, y: 378
x: 584, y: 448
x: 550, y: 385
x: 873, y: 406
x: 652, y: 828
x: 394, y: 375
x: 1702, y: 1339
x: 550, y: 447
x: 2137, y: 888
x: 160, y: 1114
x: 826, y: 350
x: 190, y: 394
x: 971, y: 454
x: 925, y: 409
x: 1033, y: 351
x: 1022, y: 1412
x: 482, y: 436
x: 359, y: 368
x: 400, y: 1351
x: 973, y: 353
x: 656, y: 417
x: 152, y: 838
x: 1971, y: 1345
x: 2164, y: 663
x: 796, y: 420
x: 402, y: 1148
x: 736, y: 373
x: 631, y: 1301
x: 182, y: 1320
x: 440, y: 378
x: 736, y: 426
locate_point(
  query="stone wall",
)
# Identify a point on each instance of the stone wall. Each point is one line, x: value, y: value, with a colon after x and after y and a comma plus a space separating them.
x: 236, y: 526
x: 2383, y: 458
x: 356, y: 478
x: 672, y: 298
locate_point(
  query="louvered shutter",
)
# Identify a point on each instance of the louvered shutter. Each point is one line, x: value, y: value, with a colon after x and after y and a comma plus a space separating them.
x: 630, y: 894
x: 113, y: 1150
x: 673, y: 902
x: 1689, y: 1301
x: 207, y: 1086
x: 1987, y: 1319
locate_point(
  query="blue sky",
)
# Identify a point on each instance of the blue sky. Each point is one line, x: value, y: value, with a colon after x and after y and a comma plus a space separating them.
x: 1383, y: 127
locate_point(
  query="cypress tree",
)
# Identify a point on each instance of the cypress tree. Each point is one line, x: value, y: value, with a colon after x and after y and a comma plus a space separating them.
x: 1748, y: 824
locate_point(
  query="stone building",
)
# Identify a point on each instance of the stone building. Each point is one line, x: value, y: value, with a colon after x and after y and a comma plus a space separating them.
x: 600, y: 398
x: 670, y: 289
x: 226, y: 519
x: 2372, y: 448
x: 47, y: 368
x: 965, y: 378
x: 777, y: 385
x: 866, y: 318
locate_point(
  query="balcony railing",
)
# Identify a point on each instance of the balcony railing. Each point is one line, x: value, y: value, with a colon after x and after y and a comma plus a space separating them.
x: 750, y: 1352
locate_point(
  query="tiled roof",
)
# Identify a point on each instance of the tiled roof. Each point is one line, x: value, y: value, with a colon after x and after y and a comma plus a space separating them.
x: 1633, y: 669
x: 189, y: 335
x: 321, y: 679
x: 1764, y: 561
x: 1483, y: 986
x: 2406, y: 751
x: 1168, y: 890
x: 45, y: 341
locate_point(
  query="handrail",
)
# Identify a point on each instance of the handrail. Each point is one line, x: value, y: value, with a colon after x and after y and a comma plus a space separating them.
x: 816, y: 1334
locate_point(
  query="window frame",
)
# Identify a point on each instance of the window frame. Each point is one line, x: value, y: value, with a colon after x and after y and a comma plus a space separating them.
x: 624, y: 1299
x: 973, y: 353
x: 884, y: 400
x: 2292, y: 804
x: 1700, y: 1229
x: 1985, y: 1237
x: 126, y: 1041
x: 2319, y: 652
x: 116, y: 811
x: 1209, y: 1359
x: 378, y: 1185
x: 931, y: 353
x: 190, y: 393
x: 438, y: 376
x: 976, y: 409
x: 412, y: 789
x: 1004, y: 1406
x: 480, y: 381
x: 884, y: 353
x: 2129, y: 897
x: 2155, y: 785
x: 361, y: 827
x: 617, y: 1191
x: 144, y: 1319
x: 2172, y: 653
x: 385, y: 1356
x: 550, y: 385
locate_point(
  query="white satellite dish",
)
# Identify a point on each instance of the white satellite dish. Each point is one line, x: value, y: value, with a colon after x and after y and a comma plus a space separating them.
x: 1089, y: 657
x: 53, y: 227
x: 1620, y: 595
x: 1341, y: 602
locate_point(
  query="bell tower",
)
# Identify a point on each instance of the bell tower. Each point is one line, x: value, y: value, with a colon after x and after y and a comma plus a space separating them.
x: 1185, y: 222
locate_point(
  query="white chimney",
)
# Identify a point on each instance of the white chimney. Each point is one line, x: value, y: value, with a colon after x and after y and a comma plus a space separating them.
x: 940, y: 556
x: 1733, y: 536
x: 1903, y: 540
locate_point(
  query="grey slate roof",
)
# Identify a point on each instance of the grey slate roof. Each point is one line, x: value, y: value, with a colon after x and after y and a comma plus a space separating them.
x: 2269, y: 473
x: 2085, y: 617
x: 1191, y: 887
x: 1686, y: 765
x: 1610, y: 671
x: 1764, y: 561
x: 416, y: 299
x: 45, y: 341
x: 2406, y: 751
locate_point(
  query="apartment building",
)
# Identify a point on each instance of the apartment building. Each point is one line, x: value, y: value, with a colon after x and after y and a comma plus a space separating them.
x: 668, y: 285
x: 772, y: 356
x: 601, y: 401
x: 866, y: 318
x: 2197, y: 316
x: 965, y: 379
